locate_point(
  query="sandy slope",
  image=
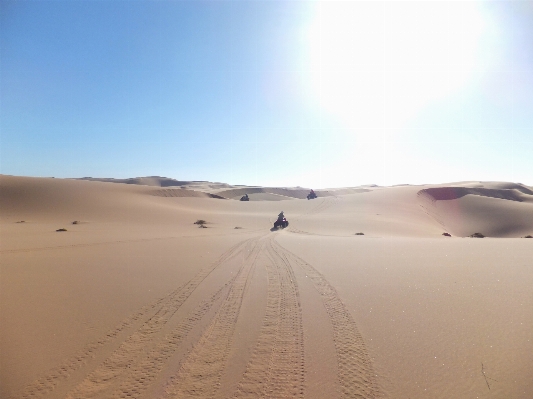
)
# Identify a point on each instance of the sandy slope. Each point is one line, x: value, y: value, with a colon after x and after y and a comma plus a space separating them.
x: 493, y: 209
x: 137, y: 301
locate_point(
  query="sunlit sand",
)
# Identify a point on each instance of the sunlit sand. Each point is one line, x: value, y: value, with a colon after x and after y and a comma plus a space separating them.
x: 361, y: 296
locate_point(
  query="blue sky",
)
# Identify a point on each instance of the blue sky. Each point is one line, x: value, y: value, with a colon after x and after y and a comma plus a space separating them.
x: 278, y: 93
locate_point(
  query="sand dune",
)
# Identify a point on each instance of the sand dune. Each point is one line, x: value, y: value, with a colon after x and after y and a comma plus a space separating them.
x: 299, y: 193
x: 144, y: 181
x: 519, y: 194
x: 184, y: 193
x: 503, y: 210
x: 239, y: 192
x: 135, y: 300
x: 224, y: 190
x: 157, y: 181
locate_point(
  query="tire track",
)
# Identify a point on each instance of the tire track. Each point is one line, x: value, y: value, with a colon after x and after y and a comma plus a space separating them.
x: 105, y: 376
x: 153, y: 314
x: 46, y: 384
x: 276, y: 368
x: 326, y: 203
x: 147, y: 370
x: 356, y: 374
x: 199, y: 375
x: 298, y: 231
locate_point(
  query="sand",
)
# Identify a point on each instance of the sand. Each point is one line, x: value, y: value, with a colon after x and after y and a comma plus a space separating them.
x: 135, y: 300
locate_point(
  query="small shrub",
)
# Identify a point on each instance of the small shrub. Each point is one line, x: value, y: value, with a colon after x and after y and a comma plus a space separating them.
x: 359, y: 234
x: 201, y: 222
x: 446, y: 234
x: 202, y: 226
x: 63, y: 229
x: 21, y: 221
x: 528, y: 236
x: 238, y: 227
x: 76, y: 222
x: 477, y: 235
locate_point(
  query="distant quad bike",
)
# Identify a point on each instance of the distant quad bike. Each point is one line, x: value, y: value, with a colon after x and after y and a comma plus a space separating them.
x: 311, y: 196
x: 245, y: 198
x: 281, y: 224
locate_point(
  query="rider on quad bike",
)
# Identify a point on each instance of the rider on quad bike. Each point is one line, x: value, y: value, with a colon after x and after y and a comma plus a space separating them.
x: 311, y: 195
x: 281, y: 222
x: 245, y: 198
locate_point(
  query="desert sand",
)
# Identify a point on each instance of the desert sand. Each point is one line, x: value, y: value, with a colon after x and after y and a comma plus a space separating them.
x: 134, y: 300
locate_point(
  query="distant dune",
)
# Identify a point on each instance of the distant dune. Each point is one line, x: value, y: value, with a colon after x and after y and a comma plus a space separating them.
x: 111, y: 288
x: 184, y: 193
x: 496, y: 209
x: 145, y: 181
x: 159, y: 181
x: 224, y: 190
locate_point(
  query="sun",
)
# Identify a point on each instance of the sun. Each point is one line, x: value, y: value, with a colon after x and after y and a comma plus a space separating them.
x: 375, y: 65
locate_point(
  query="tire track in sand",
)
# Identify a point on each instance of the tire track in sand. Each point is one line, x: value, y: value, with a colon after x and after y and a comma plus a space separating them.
x: 109, y: 373
x: 276, y: 368
x: 326, y: 203
x: 46, y: 384
x: 356, y: 374
x: 158, y: 309
x: 199, y: 375
x: 146, y: 371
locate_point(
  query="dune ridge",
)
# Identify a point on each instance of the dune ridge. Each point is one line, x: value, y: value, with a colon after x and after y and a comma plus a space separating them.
x: 518, y: 193
x: 360, y: 296
x: 495, y: 210
x: 224, y: 190
x: 299, y: 193
x: 158, y: 181
x: 181, y: 193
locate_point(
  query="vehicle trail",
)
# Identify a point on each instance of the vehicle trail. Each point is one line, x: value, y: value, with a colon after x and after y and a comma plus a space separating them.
x: 356, y: 374
x: 148, y: 320
x: 199, y: 374
x: 276, y: 368
x: 139, y: 378
x: 325, y: 203
x: 106, y: 375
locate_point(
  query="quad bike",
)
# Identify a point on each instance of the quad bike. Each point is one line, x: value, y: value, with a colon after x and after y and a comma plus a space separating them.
x: 245, y: 198
x: 281, y: 224
x: 311, y: 196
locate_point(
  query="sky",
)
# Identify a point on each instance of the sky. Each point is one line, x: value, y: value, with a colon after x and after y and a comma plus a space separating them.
x: 273, y: 93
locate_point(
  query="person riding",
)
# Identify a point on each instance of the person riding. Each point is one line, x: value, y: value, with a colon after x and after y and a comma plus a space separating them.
x: 281, y: 216
x: 313, y: 193
x: 246, y: 197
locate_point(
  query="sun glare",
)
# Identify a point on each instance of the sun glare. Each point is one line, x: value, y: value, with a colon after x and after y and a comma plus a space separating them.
x: 375, y: 65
